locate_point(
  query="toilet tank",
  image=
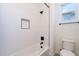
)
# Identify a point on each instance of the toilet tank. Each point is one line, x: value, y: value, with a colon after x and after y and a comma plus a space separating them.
x: 68, y: 44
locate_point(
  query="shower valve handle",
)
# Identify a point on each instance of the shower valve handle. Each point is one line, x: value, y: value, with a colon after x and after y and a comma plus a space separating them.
x: 41, y: 43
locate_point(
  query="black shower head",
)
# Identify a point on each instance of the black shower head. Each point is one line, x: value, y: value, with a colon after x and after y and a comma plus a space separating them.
x: 41, y: 12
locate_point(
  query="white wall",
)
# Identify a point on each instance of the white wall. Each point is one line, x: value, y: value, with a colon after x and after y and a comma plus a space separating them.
x: 76, y: 32
x: 13, y: 38
x: 52, y: 28
x: 71, y: 31
x: 66, y: 31
x: 45, y: 24
x: 55, y: 29
x: 58, y: 18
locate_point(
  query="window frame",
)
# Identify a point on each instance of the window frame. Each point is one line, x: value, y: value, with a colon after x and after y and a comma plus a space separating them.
x: 73, y: 11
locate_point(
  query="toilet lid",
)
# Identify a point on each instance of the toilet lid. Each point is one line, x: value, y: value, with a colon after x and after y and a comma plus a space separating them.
x: 66, y: 53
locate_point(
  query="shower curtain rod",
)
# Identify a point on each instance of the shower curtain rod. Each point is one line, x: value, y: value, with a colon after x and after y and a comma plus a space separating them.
x: 68, y: 23
x: 46, y: 5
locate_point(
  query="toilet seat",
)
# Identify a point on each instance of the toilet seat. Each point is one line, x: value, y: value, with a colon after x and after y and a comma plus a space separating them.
x: 64, y: 52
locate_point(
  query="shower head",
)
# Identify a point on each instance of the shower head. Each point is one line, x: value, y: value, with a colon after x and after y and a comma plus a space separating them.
x: 41, y: 12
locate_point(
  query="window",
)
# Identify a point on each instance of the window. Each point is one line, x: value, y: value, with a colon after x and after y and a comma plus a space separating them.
x: 68, y: 12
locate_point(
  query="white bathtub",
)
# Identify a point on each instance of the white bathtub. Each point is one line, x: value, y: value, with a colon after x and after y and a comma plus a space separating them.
x: 34, y: 50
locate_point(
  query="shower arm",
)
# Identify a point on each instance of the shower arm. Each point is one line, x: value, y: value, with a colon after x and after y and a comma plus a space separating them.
x: 46, y: 5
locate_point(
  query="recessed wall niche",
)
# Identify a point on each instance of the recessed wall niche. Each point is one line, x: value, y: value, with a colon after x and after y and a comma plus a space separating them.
x: 25, y: 23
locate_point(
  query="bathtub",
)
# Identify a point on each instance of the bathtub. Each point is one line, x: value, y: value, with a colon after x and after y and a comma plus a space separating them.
x: 34, y: 50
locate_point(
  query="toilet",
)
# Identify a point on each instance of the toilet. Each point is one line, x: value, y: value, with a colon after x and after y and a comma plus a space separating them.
x: 67, y: 48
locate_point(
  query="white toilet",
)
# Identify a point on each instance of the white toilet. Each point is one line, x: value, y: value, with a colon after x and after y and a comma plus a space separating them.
x: 68, y: 47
